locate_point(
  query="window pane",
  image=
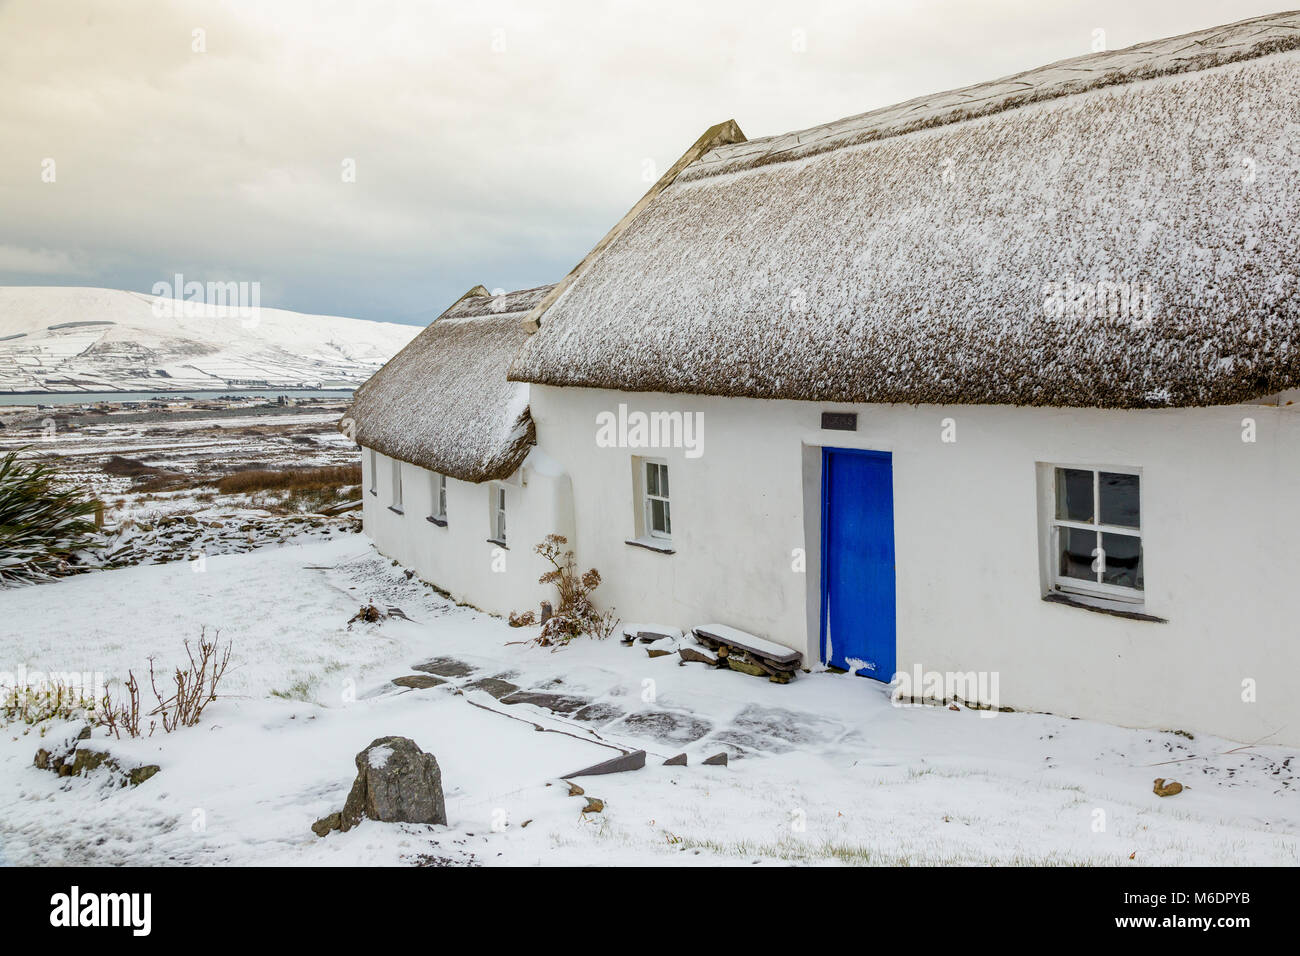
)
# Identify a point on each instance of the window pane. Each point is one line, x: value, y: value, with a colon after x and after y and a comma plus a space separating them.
x: 668, y: 520
x: 1075, y: 559
x: 1119, y: 500
x: 663, y: 480
x: 659, y: 516
x: 1123, y: 560
x: 651, y: 479
x: 1074, y: 494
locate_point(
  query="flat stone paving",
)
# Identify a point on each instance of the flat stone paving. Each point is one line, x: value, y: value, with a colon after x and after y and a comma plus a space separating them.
x: 498, y: 687
x: 446, y: 667
x: 757, y: 729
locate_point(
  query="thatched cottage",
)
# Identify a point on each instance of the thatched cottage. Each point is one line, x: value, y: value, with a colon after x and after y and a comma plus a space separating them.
x: 452, y: 477
x: 994, y: 381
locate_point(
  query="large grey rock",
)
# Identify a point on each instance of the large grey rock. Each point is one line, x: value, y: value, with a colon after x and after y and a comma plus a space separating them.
x: 397, y: 782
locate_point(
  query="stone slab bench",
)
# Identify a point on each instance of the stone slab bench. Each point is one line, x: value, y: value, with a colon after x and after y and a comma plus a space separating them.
x: 749, y: 653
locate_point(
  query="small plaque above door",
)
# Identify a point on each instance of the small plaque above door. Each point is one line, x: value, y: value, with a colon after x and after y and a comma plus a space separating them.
x: 840, y: 421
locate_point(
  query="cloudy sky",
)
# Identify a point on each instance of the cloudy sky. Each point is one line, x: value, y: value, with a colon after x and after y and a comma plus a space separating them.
x: 377, y: 158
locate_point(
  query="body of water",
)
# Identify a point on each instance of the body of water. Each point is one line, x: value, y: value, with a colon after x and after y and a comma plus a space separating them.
x: 90, y: 398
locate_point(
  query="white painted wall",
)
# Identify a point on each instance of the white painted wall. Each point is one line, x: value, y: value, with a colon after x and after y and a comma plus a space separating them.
x: 459, y: 558
x: 1221, y: 528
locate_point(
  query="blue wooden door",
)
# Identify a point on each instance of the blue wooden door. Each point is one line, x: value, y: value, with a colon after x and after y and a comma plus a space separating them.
x: 858, y: 611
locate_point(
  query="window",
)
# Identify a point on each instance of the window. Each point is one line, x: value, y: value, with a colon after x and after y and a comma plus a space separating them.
x: 438, y: 499
x: 1096, y: 534
x: 498, y: 514
x: 374, y: 472
x: 657, y: 518
x: 397, y: 487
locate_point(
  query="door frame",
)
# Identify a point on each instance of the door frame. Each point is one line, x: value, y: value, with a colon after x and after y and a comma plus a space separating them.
x: 826, y: 452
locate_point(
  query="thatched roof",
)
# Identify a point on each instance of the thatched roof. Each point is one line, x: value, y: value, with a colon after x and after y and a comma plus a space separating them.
x: 1118, y: 230
x: 443, y: 402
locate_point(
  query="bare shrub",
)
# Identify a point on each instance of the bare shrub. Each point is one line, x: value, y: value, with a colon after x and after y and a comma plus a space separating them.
x: 194, y: 686
x: 327, y: 478
x: 575, y: 613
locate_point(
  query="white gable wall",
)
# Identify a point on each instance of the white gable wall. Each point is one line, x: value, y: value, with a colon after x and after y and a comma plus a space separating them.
x: 459, y: 558
x: 1220, y: 528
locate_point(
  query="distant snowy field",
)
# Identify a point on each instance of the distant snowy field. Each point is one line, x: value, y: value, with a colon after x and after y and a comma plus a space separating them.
x: 95, y: 340
x: 829, y: 771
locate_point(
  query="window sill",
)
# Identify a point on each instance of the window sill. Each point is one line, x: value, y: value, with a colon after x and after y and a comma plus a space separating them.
x: 661, y: 545
x: 373, y: 492
x: 440, y: 522
x: 396, y: 511
x: 499, y: 542
x: 1057, y: 598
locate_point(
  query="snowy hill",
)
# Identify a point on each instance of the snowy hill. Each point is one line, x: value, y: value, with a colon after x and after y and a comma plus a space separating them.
x: 77, y: 339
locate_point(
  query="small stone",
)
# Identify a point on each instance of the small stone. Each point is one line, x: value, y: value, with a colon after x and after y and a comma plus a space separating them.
x: 594, y: 805
x: 753, y: 670
x: 657, y: 652
x: 325, y: 825
x: 717, y: 760
x: 678, y: 761
x: 694, y: 656
x: 1163, y: 789
x: 574, y: 789
x: 86, y: 760
x: 138, y: 775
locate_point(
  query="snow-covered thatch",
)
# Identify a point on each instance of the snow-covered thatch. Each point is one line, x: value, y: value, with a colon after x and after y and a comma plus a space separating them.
x: 443, y: 402
x: 1119, y: 230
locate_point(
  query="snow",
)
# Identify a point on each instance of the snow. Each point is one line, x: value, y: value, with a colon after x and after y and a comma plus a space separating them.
x: 824, y: 770
x: 81, y: 339
x: 732, y: 635
x: 378, y: 756
x: 543, y: 464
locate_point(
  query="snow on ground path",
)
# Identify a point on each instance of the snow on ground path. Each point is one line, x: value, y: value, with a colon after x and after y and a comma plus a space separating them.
x: 824, y: 769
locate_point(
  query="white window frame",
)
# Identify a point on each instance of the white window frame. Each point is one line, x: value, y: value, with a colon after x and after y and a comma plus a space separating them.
x: 438, y: 497
x: 1125, y: 598
x: 397, y: 487
x: 647, y: 512
x: 374, y: 471
x: 498, y: 513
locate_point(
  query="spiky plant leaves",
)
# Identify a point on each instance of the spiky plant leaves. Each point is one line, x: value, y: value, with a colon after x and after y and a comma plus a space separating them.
x: 41, y: 522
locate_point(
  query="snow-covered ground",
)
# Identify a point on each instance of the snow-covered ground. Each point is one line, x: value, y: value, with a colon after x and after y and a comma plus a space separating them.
x: 199, y: 446
x: 823, y: 770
